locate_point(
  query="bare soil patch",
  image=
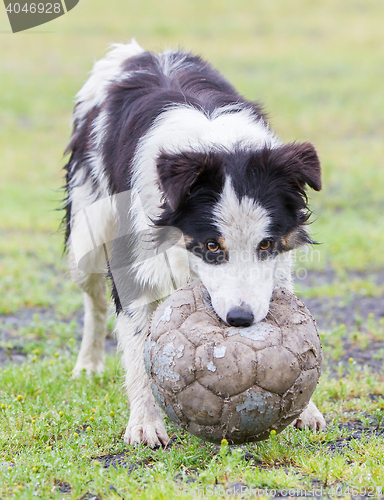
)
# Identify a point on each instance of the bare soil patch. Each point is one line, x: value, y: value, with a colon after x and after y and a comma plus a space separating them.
x: 329, y: 313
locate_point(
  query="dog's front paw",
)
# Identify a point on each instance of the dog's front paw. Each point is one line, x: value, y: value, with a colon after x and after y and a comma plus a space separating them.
x: 149, y: 433
x: 310, y: 418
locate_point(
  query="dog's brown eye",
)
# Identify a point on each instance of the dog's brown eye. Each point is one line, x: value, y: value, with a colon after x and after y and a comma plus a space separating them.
x: 265, y: 245
x: 213, y: 246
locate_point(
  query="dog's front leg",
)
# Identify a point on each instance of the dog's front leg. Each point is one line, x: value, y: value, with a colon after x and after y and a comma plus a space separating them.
x: 145, y: 421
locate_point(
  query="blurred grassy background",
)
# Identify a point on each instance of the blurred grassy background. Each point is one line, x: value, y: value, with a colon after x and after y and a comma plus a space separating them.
x: 318, y: 67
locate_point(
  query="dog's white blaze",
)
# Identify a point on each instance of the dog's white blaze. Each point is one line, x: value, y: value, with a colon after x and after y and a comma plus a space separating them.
x: 104, y: 72
x: 243, y: 223
x: 244, y: 280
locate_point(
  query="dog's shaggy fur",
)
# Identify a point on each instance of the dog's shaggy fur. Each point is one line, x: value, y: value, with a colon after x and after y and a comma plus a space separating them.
x: 173, y: 175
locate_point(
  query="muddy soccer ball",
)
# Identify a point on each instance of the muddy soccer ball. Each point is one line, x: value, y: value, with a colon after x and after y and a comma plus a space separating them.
x: 237, y: 383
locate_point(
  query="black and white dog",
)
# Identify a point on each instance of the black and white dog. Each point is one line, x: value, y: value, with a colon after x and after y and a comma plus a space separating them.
x: 173, y: 175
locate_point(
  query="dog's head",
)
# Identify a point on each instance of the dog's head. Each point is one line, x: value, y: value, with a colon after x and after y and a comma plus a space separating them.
x: 240, y: 213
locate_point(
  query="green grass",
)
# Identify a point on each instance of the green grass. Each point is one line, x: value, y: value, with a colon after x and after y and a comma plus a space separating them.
x: 53, y: 430
x: 318, y: 69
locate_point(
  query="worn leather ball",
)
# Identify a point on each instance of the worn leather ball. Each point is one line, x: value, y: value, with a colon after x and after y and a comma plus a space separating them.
x: 237, y: 383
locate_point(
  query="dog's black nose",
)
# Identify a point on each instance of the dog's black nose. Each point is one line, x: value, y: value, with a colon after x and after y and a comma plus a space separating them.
x: 238, y: 316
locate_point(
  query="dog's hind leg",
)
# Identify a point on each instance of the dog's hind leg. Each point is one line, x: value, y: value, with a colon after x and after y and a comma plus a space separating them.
x: 91, y: 355
x: 92, y: 227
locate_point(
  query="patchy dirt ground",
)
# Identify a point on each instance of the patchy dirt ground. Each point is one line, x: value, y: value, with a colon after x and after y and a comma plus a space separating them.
x: 332, y: 312
x: 352, y: 431
x: 329, y: 313
x: 10, y: 324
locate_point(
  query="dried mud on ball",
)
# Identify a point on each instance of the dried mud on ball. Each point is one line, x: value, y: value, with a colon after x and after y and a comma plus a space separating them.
x: 217, y: 381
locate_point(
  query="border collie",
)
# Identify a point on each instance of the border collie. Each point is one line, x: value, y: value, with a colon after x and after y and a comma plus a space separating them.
x: 172, y: 176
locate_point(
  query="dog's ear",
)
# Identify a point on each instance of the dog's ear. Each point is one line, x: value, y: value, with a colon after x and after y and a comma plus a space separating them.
x: 300, y: 162
x: 178, y: 173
